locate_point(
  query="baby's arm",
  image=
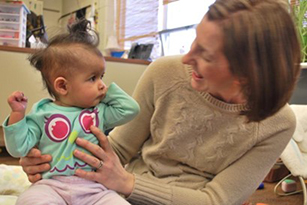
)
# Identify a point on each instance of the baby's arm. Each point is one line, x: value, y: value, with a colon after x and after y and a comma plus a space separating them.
x: 21, y: 132
x: 119, y: 107
x: 18, y: 103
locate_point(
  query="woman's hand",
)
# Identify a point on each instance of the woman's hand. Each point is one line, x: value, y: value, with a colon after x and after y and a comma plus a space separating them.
x: 34, y: 164
x: 111, y: 174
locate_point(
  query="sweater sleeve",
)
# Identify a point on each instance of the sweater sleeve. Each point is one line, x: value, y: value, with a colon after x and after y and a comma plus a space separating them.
x: 20, y: 137
x: 118, y: 107
x: 231, y: 186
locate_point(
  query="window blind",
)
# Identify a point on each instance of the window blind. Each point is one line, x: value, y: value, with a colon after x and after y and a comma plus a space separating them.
x: 137, y: 20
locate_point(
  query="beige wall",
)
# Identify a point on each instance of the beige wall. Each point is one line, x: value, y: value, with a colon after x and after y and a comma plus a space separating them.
x: 17, y: 74
x: 52, y: 12
x: 54, y: 9
x: 105, y: 10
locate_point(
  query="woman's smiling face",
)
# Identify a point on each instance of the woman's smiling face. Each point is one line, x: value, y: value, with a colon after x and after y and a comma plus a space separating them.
x: 210, y: 66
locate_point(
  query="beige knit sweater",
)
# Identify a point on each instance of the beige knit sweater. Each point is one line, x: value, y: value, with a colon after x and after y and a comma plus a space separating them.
x: 186, y: 147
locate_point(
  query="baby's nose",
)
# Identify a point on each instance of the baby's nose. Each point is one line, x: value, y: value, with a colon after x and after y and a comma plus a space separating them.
x: 101, y: 85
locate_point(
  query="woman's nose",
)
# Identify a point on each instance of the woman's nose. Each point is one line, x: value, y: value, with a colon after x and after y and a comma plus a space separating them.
x: 187, y: 58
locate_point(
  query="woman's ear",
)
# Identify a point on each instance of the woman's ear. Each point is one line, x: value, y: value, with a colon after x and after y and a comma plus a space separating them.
x: 60, y: 86
x: 241, y: 81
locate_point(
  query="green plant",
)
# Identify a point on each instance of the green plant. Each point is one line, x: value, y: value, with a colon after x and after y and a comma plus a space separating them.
x: 300, y: 18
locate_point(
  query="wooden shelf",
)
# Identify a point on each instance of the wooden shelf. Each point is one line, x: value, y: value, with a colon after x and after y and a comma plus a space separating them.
x: 121, y: 60
x: 16, y: 49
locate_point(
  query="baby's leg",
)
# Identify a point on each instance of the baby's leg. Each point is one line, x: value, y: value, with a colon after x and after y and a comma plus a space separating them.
x: 109, y: 197
x: 40, y: 194
x: 89, y: 192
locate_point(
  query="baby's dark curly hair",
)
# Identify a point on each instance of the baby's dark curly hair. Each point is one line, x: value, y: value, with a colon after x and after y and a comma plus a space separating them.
x: 61, y: 55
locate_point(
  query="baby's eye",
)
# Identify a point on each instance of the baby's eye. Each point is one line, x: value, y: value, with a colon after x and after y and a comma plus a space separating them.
x: 93, y: 78
x: 101, y: 76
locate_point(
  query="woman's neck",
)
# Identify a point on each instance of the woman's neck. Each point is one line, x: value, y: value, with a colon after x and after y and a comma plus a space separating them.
x: 230, y: 97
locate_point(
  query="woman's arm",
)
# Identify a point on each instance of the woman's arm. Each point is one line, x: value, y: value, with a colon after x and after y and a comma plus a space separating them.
x: 231, y: 186
x: 234, y: 184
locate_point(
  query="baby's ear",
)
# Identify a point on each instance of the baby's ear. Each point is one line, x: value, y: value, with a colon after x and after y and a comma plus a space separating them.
x: 60, y: 86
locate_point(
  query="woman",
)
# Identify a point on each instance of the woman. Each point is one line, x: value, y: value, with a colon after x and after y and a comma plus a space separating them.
x: 213, y: 122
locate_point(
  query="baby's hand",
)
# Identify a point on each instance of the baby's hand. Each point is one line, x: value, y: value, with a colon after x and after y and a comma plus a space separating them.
x: 17, y: 101
x: 104, y: 91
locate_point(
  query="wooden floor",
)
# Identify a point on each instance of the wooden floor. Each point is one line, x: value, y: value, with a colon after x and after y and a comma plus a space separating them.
x: 265, y: 195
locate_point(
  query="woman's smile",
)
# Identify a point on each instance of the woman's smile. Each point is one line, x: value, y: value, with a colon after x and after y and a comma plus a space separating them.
x: 196, y: 76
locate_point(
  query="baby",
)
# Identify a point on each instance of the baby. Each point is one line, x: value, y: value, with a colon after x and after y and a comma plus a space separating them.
x: 72, y: 69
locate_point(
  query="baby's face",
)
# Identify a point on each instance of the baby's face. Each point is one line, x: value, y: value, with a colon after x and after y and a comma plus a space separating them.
x: 86, y: 86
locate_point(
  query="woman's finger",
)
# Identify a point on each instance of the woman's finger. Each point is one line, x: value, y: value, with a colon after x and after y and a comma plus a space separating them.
x: 34, y: 152
x: 102, y: 138
x: 86, y: 175
x: 31, y: 170
x: 32, y: 161
x: 34, y: 178
x: 95, y: 149
x: 35, y: 163
x: 89, y: 159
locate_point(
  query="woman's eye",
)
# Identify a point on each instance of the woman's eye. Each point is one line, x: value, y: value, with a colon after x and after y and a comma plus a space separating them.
x: 207, y: 59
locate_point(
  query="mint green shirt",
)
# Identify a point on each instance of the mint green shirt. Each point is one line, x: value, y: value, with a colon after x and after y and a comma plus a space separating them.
x: 54, y: 128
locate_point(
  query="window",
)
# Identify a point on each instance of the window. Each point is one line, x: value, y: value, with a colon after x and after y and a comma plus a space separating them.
x: 178, y: 24
x: 137, y: 22
x: 169, y: 25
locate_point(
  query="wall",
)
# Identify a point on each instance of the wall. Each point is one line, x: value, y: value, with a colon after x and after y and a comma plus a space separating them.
x: 53, y: 10
x: 17, y: 74
x: 105, y: 10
